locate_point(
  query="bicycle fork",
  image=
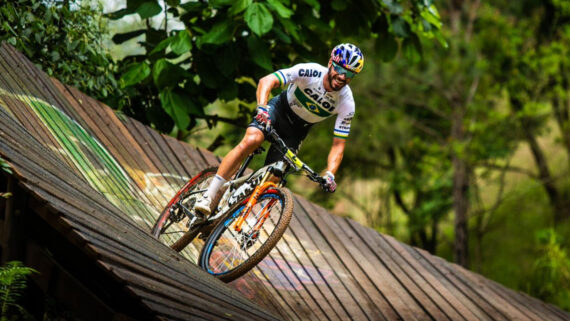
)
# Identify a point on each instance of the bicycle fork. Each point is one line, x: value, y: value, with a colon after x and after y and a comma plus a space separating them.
x: 257, y: 192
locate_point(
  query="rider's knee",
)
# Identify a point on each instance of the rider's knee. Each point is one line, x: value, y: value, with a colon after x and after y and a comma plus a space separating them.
x: 252, y: 140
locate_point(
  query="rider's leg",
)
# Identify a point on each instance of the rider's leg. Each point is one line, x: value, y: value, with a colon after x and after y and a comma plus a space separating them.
x: 252, y: 139
x: 250, y: 142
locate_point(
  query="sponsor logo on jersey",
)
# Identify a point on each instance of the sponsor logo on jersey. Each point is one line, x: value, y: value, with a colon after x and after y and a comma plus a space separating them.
x: 309, y: 73
x: 312, y: 105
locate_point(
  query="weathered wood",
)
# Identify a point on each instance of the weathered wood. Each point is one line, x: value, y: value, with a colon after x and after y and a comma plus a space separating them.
x: 412, y: 281
x: 434, y: 279
x: 352, y: 267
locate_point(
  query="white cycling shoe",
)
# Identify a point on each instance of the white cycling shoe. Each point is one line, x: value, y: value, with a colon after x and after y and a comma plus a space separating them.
x: 204, y: 205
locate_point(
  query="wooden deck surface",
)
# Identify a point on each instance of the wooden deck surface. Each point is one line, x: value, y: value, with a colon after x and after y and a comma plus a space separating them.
x: 101, y: 180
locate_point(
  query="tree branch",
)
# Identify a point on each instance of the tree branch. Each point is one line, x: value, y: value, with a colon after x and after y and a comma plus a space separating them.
x: 510, y: 169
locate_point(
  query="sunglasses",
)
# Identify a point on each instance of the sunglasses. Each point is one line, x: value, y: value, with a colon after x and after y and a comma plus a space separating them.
x: 343, y: 71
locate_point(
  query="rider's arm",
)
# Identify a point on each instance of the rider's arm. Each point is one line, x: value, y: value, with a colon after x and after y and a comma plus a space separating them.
x: 264, y: 87
x: 336, y: 154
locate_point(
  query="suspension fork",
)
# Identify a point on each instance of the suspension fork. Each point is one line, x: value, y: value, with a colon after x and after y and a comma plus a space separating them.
x: 257, y: 192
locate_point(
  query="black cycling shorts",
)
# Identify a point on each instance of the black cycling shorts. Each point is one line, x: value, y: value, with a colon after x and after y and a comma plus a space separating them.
x: 290, y: 127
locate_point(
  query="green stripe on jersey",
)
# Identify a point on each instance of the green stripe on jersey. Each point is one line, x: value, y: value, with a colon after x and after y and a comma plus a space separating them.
x: 281, y: 80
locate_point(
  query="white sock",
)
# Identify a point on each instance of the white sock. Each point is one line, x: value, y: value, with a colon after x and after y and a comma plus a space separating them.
x: 215, y: 185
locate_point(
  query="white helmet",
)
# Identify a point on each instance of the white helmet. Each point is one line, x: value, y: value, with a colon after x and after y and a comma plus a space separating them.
x: 348, y: 56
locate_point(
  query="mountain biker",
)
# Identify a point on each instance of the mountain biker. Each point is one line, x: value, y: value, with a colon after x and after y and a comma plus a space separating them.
x: 314, y: 93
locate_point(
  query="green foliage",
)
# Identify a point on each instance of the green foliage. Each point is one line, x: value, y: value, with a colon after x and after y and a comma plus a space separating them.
x: 64, y: 38
x: 225, y: 42
x: 12, y: 285
x: 5, y: 166
x: 551, y: 277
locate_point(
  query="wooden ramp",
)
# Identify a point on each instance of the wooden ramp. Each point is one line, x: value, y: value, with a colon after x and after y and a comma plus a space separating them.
x: 99, y: 180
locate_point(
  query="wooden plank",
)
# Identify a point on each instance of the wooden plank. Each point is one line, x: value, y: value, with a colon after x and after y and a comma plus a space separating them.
x: 183, y: 301
x: 251, y: 285
x: 192, y: 168
x: 437, y: 290
x: 112, y: 134
x: 315, y: 302
x: 276, y: 279
x: 507, y: 294
x: 479, y: 299
x: 196, y: 157
x: 193, y: 298
x: 436, y: 280
x: 403, y: 300
x: 23, y: 111
x: 209, y: 157
x: 314, y: 266
x: 497, y: 301
x: 125, y: 254
x: 547, y: 308
x: 430, y: 300
x: 351, y: 269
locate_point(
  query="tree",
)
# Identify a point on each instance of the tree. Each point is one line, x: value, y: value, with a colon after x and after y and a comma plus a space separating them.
x: 227, y: 45
x: 63, y: 38
x: 533, y: 69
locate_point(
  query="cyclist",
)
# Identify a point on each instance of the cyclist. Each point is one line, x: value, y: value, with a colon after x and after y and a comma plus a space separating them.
x: 314, y: 93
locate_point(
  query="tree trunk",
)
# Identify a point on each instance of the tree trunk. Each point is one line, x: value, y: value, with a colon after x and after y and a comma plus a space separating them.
x: 460, y: 191
x: 561, y: 110
x: 556, y: 198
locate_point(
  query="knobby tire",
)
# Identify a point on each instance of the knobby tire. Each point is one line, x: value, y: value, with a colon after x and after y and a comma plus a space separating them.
x: 225, y: 224
x: 188, y: 236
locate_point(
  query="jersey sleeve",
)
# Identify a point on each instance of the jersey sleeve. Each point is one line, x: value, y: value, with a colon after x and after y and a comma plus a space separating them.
x: 344, y: 119
x: 288, y: 75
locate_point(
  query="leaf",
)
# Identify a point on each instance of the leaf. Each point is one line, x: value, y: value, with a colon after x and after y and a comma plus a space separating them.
x: 165, y: 73
x: 393, y: 6
x: 280, y: 8
x: 221, y: 32
x: 122, y: 37
x: 258, y: 18
x: 290, y: 27
x: 339, y: 5
x: 175, y: 106
x: 400, y: 26
x: 227, y: 59
x: 161, y: 46
x: 412, y: 48
x: 259, y: 53
x: 118, y: 14
x: 181, y: 43
x: 135, y: 74
x: 239, y: 6
x: 441, y: 39
x: 314, y: 3
x: 386, y: 46
x: 221, y: 3
x: 149, y: 9
x: 193, y: 6
x: 173, y: 3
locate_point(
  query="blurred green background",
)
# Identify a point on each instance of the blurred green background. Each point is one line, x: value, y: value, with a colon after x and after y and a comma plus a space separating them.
x: 461, y: 140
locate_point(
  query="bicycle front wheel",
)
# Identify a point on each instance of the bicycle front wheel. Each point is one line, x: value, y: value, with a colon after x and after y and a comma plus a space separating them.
x: 228, y: 254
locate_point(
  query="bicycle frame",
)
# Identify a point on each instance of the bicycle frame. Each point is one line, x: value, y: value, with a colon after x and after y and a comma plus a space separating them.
x: 255, y: 184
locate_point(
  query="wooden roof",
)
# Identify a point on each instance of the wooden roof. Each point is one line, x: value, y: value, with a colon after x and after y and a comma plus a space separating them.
x: 102, y: 179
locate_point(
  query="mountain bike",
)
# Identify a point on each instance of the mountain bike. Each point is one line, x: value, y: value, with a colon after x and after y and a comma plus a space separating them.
x: 252, y: 214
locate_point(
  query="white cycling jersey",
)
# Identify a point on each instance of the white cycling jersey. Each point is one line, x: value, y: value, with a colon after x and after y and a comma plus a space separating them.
x: 310, y: 101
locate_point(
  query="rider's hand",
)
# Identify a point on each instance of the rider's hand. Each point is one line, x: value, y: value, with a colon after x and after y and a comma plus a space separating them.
x: 329, y: 185
x: 263, y: 116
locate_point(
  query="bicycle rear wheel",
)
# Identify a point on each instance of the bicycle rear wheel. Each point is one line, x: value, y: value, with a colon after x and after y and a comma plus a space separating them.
x: 228, y: 254
x: 172, y: 226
